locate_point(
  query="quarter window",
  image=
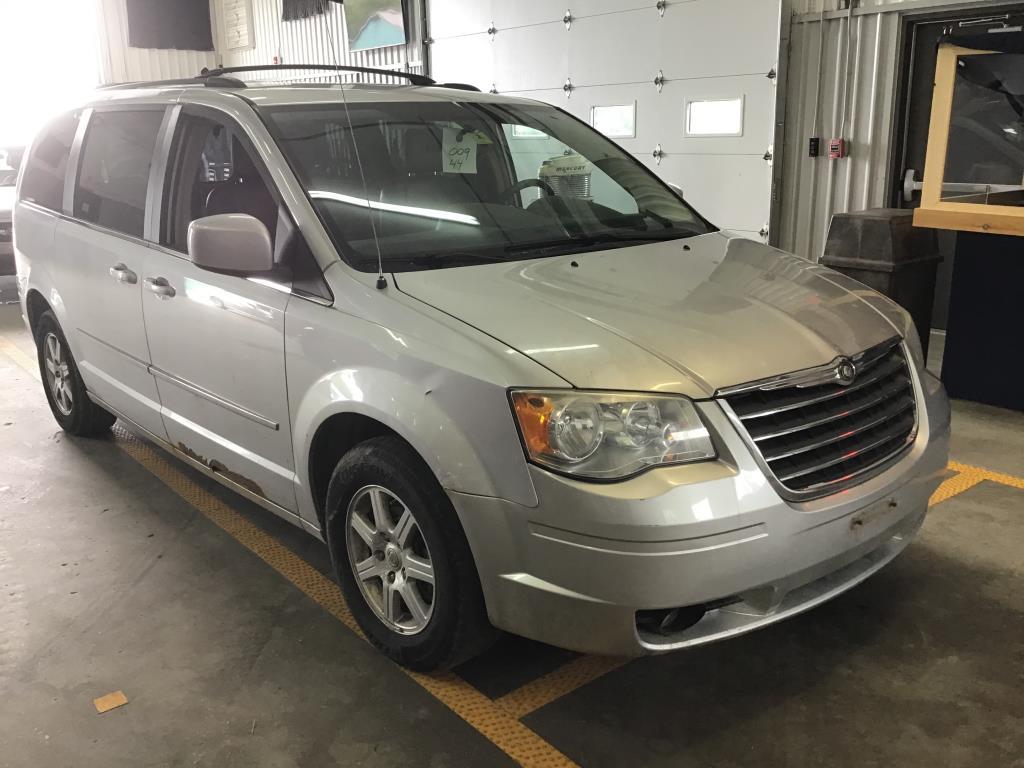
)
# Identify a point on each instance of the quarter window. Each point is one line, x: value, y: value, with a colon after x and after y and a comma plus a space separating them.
x: 114, y: 173
x: 43, y: 183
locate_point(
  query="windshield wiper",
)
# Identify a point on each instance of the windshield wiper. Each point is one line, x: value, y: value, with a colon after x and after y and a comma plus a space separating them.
x: 450, y: 258
x: 586, y: 241
x: 436, y: 260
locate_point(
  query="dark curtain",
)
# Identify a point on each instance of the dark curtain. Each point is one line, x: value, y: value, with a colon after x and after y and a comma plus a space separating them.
x: 302, y: 9
x: 182, y: 24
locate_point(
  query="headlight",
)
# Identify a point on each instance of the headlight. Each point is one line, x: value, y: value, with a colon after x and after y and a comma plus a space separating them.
x: 608, y: 435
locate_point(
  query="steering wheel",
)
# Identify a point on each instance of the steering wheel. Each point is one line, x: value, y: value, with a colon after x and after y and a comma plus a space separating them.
x: 519, y: 186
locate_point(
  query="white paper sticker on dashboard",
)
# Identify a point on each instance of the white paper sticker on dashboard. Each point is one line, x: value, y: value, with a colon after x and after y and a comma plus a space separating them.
x: 458, y: 151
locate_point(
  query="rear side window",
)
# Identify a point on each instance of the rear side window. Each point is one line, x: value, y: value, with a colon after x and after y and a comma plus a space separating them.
x: 43, y: 183
x: 114, y: 173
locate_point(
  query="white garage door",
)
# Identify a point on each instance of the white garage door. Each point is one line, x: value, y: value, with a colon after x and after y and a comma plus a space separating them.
x: 713, y: 117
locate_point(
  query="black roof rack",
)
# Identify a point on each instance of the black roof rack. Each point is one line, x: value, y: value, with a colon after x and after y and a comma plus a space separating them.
x: 209, y: 82
x: 412, y: 77
x: 459, y: 86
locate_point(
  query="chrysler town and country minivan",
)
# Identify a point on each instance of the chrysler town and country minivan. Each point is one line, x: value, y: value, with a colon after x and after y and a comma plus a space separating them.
x: 509, y: 376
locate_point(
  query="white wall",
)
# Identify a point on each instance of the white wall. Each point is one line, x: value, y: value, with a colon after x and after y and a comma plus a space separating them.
x: 612, y: 52
x: 120, y: 63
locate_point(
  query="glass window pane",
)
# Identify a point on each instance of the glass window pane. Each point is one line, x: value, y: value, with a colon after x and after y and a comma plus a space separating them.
x: 114, y: 175
x: 44, y: 175
x: 453, y: 184
x: 985, y: 153
x: 716, y: 117
x: 615, y: 121
x: 212, y: 173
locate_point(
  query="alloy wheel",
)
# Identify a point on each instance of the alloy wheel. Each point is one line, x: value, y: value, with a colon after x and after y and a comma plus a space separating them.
x: 390, y: 559
x: 58, y: 373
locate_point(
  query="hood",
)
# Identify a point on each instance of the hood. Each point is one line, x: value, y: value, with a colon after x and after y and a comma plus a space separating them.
x: 6, y: 202
x: 685, y: 316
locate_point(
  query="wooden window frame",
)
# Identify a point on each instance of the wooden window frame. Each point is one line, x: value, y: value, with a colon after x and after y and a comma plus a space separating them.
x: 947, y: 214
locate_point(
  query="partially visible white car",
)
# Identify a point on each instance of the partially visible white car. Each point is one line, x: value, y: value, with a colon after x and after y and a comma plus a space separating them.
x: 8, y: 178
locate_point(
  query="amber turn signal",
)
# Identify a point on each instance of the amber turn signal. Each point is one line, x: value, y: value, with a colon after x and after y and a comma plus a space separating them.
x: 534, y: 414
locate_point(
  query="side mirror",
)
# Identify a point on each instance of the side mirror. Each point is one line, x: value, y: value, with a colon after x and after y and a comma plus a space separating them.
x: 230, y: 242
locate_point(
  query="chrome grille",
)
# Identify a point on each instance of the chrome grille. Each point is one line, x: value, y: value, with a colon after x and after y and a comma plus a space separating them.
x: 819, y: 437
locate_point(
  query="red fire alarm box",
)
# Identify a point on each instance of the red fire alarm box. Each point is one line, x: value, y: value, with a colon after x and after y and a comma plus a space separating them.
x: 837, y: 149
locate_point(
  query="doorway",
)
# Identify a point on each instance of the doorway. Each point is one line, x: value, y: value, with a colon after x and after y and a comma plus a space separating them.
x: 920, y: 36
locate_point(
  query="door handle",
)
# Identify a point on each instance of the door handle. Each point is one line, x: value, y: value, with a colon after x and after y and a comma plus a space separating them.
x: 122, y: 274
x: 160, y: 287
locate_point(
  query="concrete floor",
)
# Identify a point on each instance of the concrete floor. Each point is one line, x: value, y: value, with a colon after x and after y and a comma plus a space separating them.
x: 109, y: 580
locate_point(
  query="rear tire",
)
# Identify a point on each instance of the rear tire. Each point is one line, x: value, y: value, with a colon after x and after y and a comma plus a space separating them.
x: 418, y: 599
x: 65, y: 391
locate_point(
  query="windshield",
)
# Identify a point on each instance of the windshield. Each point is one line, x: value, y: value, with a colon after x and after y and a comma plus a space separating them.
x: 454, y: 184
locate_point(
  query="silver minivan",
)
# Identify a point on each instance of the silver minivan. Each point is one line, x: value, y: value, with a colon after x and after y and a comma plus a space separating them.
x: 509, y: 376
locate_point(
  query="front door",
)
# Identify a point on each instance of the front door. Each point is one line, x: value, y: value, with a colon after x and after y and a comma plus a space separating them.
x: 217, y: 340
x: 99, y: 258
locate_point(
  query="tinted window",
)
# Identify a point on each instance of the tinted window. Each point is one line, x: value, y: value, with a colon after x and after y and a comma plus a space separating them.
x: 114, y: 173
x: 44, y: 175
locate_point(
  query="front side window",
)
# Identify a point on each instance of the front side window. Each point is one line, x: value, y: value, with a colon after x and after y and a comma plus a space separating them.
x: 114, y: 173
x: 213, y: 170
x: 453, y: 184
x: 43, y: 183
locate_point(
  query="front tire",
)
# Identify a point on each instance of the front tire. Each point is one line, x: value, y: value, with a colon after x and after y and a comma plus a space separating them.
x: 402, y: 559
x: 65, y: 391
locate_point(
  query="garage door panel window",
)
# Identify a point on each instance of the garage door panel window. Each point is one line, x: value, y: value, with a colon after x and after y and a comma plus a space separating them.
x: 43, y: 182
x: 113, y: 179
x: 714, y: 117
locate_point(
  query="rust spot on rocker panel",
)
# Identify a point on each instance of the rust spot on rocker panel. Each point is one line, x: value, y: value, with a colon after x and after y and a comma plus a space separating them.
x: 215, y: 466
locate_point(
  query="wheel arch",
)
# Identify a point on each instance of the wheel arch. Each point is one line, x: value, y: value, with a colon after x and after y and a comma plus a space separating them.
x: 35, y: 306
x: 457, y: 433
x: 335, y: 436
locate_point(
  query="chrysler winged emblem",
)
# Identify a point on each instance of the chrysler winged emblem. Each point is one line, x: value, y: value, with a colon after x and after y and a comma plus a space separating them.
x: 846, y: 371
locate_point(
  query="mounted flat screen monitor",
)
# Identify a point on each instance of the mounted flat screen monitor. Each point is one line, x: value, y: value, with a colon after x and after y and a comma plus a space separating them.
x: 374, y: 24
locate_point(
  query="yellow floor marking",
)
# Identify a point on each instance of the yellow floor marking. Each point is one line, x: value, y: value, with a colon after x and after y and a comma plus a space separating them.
x: 955, y: 485
x: 492, y: 720
x: 987, y: 474
x: 558, y: 683
x: 19, y: 357
x: 497, y: 720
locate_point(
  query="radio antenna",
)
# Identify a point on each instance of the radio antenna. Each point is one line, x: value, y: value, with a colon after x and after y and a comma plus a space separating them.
x: 382, y: 282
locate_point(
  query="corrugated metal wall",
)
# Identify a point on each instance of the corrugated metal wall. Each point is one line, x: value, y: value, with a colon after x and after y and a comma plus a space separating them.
x: 824, y: 92
x: 306, y: 41
x: 310, y: 41
x: 120, y: 63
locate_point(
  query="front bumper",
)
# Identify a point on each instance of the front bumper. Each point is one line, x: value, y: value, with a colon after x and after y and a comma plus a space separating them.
x: 576, y: 570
